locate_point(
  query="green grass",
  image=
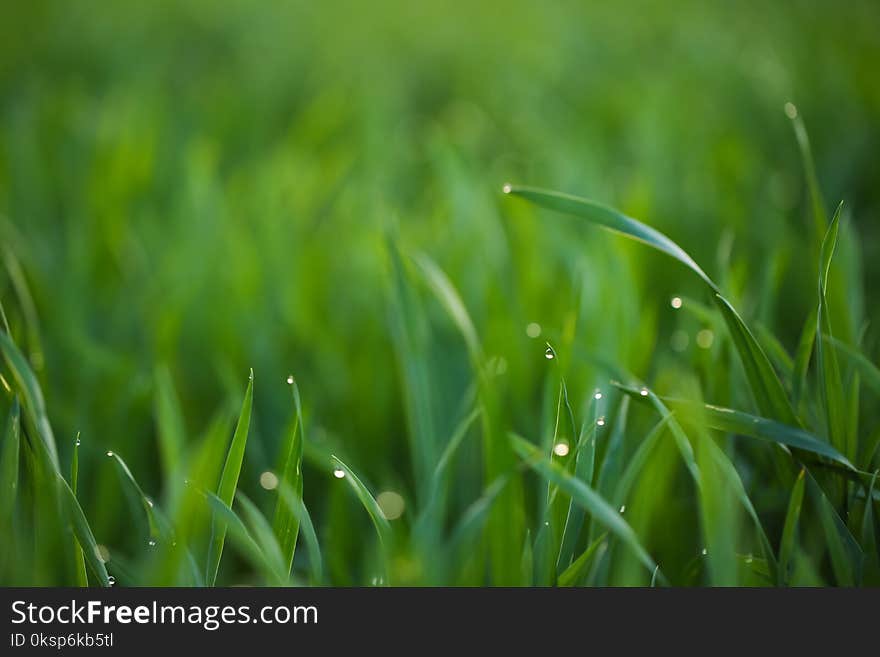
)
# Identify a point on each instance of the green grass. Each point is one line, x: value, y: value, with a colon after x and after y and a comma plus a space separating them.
x: 263, y: 278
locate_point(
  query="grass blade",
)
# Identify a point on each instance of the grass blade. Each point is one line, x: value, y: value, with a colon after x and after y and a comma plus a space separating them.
x: 82, y: 578
x: 261, y: 530
x: 753, y: 426
x: 830, y: 380
x: 157, y: 526
x: 285, y: 524
x: 83, y: 532
x: 585, y: 457
x: 766, y: 387
x: 301, y: 513
x: 229, y: 481
x: 581, y: 566
x: 601, y: 511
x: 792, y: 516
x: 383, y: 529
x: 32, y: 396
x: 611, y: 219
x: 241, y: 537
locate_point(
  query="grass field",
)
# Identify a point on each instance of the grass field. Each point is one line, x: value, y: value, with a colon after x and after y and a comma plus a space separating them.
x: 312, y: 293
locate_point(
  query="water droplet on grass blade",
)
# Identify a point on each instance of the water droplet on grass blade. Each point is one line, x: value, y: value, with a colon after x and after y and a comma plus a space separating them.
x: 623, y: 508
x: 110, y: 454
x: 290, y: 380
x: 152, y: 542
x: 600, y: 422
x: 507, y: 188
x: 675, y: 302
x: 791, y: 110
x: 549, y: 354
x: 339, y: 473
x: 643, y: 392
x: 111, y: 580
x: 268, y: 480
x: 560, y: 449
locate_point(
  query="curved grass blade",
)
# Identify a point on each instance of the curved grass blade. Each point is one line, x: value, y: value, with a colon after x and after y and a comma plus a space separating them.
x: 158, y: 527
x: 32, y: 396
x: 229, y: 481
x: 581, y: 566
x: 285, y: 523
x: 820, y: 219
x: 753, y: 426
x: 733, y: 479
x: 240, y: 535
x: 610, y: 219
x: 792, y: 516
x: 585, y: 496
x: 844, y: 550
x: 448, y: 296
x: 82, y: 578
x: 82, y: 531
x: 638, y: 461
x: 830, y: 380
x: 719, y: 460
x: 768, y: 391
x: 506, y: 521
x: 383, y: 529
x: 261, y: 530
x: 870, y: 373
x: 301, y: 513
x: 766, y: 387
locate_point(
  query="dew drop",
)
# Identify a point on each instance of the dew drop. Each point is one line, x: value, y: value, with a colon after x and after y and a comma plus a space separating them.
x: 290, y: 380
x: 623, y: 508
x: 600, y: 422
x: 268, y: 480
x: 339, y: 473
x: 78, y: 442
x: 643, y: 392
x: 507, y: 188
x: 675, y: 302
x: 791, y: 110
x: 705, y: 552
x: 111, y: 580
x: 560, y: 449
x: 548, y: 353
x: 149, y: 502
x: 110, y: 454
x: 598, y: 395
x: 151, y: 543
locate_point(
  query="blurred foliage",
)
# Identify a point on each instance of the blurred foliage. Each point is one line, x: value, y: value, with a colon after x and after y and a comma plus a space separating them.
x: 199, y: 188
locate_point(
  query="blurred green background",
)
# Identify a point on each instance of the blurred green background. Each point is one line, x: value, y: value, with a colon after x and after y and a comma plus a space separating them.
x: 204, y: 187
